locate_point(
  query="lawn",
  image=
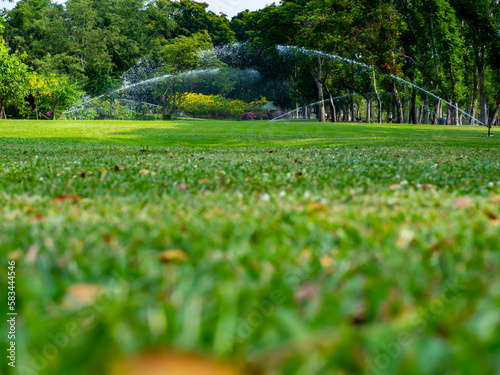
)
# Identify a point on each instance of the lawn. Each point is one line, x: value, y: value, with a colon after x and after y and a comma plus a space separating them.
x: 251, y: 247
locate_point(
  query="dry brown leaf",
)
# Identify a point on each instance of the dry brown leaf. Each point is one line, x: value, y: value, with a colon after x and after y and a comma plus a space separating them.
x: 462, y: 203
x: 171, y: 363
x: 83, y: 294
x: 426, y: 187
x: 395, y: 186
x: 315, y: 207
x: 493, y: 218
x: 172, y: 255
x: 66, y: 197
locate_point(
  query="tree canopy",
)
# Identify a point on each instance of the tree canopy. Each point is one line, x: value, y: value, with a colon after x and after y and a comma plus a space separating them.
x: 404, y: 53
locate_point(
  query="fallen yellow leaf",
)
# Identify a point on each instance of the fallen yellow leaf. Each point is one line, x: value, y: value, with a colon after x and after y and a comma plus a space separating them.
x: 171, y: 363
x: 315, y: 207
x: 83, y: 294
x: 144, y: 172
x: 326, y: 261
x: 172, y: 255
x: 15, y: 255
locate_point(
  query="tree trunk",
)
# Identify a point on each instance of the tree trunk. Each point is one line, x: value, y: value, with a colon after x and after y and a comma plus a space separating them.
x: 483, y: 104
x: 473, y: 100
x: 352, y: 116
x: 494, y: 118
x: 317, y: 79
x: 333, y: 110
x: 379, y: 102
x: 36, y: 107
x: 368, y: 108
x: 321, y: 104
x: 425, y: 109
x: 413, y: 106
x: 54, y: 109
x: 437, y: 110
x: 399, y: 105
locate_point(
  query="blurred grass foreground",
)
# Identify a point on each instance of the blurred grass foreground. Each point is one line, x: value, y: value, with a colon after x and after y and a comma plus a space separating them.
x: 227, y: 247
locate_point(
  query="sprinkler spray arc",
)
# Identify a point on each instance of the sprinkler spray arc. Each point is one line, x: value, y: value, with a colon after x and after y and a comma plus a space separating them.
x: 282, y: 49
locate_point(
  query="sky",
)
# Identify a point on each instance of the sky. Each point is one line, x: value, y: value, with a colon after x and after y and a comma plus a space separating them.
x: 229, y: 7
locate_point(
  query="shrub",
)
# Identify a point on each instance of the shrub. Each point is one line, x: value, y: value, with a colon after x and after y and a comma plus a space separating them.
x: 254, y: 116
x: 212, y: 106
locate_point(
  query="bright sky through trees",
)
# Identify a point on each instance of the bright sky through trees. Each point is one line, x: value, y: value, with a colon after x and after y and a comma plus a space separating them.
x: 229, y: 7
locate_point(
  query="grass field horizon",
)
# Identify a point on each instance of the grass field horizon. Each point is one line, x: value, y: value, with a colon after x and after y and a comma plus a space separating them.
x: 252, y: 247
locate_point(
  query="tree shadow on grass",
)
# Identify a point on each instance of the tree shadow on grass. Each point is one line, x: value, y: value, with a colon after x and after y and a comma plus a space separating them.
x: 265, y: 134
x: 311, y: 135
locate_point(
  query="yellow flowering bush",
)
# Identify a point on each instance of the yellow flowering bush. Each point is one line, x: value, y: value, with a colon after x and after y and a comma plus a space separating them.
x: 257, y: 105
x: 215, y: 106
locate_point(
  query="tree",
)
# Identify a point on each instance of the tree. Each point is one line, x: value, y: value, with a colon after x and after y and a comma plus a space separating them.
x: 60, y: 93
x: 105, y: 38
x: 482, y: 35
x: 38, y: 88
x: 25, y: 28
x: 14, y: 78
x: 192, y: 17
x: 180, y: 55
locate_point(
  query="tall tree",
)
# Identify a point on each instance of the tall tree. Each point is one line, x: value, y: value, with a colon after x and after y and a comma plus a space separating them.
x: 192, y: 17
x: 14, y: 77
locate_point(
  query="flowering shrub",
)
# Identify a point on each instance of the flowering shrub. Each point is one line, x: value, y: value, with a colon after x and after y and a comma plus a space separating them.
x: 216, y: 106
x: 254, y: 116
x: 258, y: 105
x: 213, y: 106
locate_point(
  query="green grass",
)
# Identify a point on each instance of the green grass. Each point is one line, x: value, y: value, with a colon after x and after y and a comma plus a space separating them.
x: 306, y: 248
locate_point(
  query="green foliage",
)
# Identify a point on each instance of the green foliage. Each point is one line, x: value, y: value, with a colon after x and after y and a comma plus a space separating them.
x: 59, y: 93
x: 14, y: 79
x: 182, y: 53
x: 108, y: 108
x: 192, y: 17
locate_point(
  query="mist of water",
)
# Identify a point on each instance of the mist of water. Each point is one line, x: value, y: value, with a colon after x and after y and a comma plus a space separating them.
x: 290, y: 49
